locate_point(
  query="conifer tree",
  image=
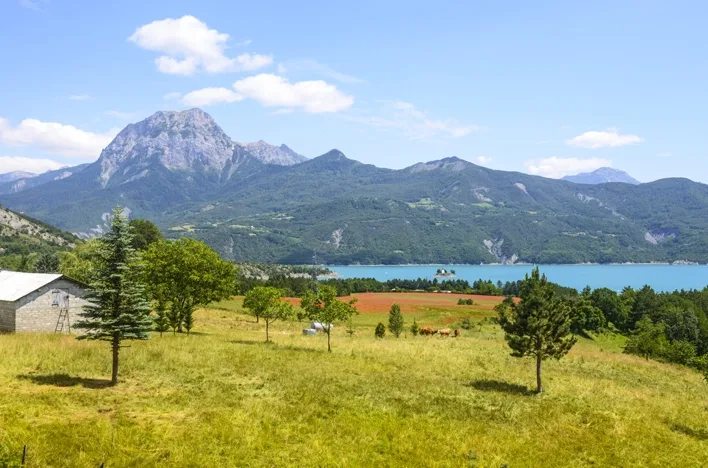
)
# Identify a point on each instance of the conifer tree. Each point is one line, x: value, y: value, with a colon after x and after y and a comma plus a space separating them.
x: 539, y: 324
x: 415, y: 329
x: 117, y: 308
x: 395, y: 320
x: 380, y: 330
x: 162, y: 320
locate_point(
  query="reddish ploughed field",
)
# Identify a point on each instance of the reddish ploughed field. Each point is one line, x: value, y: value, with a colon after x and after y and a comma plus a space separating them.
x: 415, y: 301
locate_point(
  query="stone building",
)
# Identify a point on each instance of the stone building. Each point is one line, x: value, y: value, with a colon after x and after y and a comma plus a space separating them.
x: 39, y: 302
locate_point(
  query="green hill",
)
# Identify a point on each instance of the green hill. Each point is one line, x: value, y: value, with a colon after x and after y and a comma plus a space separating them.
x: 21, y: 235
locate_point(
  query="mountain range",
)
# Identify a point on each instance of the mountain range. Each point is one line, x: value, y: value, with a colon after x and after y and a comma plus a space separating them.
x: 18, y: 181
x: 261, y: 202
x: 602, y: 175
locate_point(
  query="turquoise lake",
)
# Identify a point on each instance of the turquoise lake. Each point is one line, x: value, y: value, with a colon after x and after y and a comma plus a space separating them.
x: 616, y: 277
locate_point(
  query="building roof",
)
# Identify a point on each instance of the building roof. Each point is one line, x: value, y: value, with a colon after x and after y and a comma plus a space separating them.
x: 15, y: 285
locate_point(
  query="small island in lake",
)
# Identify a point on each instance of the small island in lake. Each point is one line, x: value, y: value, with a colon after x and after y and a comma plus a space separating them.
x: 443, y: 273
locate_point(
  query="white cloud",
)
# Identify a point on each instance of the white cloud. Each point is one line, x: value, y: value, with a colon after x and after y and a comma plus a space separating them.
x: 603, y: 139
x: 484, y: 159
x: 80, y: 97
x: 312, y: 66
x: 275, y: 91
x: 122, y: 115
x: 189, y: 45
x: 251, y: 62
x: 556, y: 168
x: 55, y: 137
x: 414, y: 123
x: 210, y: 96
x: 172, y: 96
x: 34, y: 165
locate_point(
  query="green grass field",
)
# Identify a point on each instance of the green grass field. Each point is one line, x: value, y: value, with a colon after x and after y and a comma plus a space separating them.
x: 222, y: 397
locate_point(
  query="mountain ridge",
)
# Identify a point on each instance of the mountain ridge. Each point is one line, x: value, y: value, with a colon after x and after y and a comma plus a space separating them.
x: 183, y: 172
x: 602, y: 175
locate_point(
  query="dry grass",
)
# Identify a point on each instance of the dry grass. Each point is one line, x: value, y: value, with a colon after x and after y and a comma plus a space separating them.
x: 222, y: 397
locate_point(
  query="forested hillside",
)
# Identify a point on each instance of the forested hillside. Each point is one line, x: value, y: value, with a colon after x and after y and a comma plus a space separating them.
x: 22, y: 237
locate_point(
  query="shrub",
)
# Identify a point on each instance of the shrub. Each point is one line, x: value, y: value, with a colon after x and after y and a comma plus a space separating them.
x: 465, y: 302
x: 680, y: 352
x: 415, y: 329
x: 380, y: 331
x: 466, y: 324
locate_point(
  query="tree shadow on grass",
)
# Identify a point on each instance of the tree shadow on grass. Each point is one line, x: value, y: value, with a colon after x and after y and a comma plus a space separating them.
x: 278, y: 346
x: 698, y: 434
x: 487, y: 385
x: 65, y: 380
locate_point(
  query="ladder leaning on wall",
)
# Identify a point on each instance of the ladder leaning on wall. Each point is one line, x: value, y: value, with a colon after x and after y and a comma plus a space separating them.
x: 63, y: 320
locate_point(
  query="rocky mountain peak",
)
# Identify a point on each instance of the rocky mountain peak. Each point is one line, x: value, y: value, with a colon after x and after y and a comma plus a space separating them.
x: 270, y: 154
x: 188, y: 140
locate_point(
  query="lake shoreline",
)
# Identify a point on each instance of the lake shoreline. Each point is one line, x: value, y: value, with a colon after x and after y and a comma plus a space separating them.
x: 660, y: 276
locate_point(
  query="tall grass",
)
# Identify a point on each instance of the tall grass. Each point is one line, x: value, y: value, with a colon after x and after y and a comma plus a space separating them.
x: 222, y: 397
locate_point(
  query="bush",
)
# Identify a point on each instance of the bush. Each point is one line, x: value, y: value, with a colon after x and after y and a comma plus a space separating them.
x: 465, y: 302
x: 380, y: 331
x: 415, y: 329
x: 8, y: 460
x: 466, y: 324
x: 680, y: 352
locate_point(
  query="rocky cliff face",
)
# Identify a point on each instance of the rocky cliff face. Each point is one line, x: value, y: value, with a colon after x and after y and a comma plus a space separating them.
x: 189, y: 141
x: 15, y: 225
x: 270, y: 154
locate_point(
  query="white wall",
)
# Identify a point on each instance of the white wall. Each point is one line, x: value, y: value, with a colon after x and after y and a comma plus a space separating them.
x: 36, y: 313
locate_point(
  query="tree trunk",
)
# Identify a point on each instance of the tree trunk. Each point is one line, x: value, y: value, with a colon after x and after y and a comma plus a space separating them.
x: 539, y: 385
x: 116, y: 347
x: 329, y: 334
x: 267, y: 337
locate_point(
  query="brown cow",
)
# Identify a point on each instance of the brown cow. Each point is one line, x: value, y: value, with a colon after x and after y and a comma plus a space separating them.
x: 427, y: 331
x: 445, y: 332
x: 457, y: 332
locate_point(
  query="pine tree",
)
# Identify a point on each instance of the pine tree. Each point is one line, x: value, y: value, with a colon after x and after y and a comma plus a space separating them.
x: 395, y: 320
x: 47, y: 262
x: 539, y: 324
x: 415, y: 329
x: 117, y: 308
x: 162, y: 321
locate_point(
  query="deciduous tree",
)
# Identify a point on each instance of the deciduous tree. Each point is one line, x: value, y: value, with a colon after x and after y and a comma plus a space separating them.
x: 186, y: 274
x: 145, y: 233
x: 266, y: 302
x: 324, y: 307
x: 539, y: 324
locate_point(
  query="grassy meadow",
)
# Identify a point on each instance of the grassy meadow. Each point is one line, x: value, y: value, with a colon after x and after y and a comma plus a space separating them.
x: 223, y: 397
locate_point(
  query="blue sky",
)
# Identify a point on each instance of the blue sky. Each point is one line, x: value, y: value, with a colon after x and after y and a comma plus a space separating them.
x: 548, y: 88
